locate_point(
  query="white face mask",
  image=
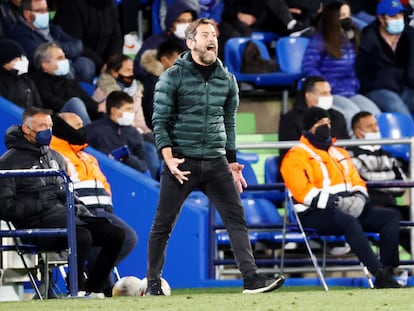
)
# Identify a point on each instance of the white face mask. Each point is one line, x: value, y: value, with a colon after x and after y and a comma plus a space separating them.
x: 21, y: 65
x: 63, y: 67
x: 126, y: 119
x: 372, y: 135
x: 41, y: 20
x: 325, y: 102
x: 180, y: 30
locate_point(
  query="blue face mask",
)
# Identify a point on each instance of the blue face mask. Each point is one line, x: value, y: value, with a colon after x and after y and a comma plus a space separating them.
x: 44, y: 137
x: 41, y: 20
x: 395, y: 26
x: 63, y: 67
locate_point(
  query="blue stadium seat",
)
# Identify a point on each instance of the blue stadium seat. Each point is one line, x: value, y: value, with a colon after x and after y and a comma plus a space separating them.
x: 271, y: 169
x: 289, y: 53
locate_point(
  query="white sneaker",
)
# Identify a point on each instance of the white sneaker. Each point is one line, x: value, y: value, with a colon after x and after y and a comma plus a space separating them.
x: 340, y: 250
x: 95, y: 295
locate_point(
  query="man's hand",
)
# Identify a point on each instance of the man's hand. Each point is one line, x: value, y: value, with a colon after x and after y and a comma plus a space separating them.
x: 172, y: 164
x: 236, y: 170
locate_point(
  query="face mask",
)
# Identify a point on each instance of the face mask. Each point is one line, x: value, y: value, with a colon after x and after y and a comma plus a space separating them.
x: 180, y: 30
x: 395, y: 26
x: 22, y: 65
x: 126, y: 119
x: 41, y: 20
x: 346, y: 23
x: 125, y: 80
x: 43, y: 137
x: 63, y: 67
x: 325, y: 102
x: 323, y: 131
x: 372, y: 135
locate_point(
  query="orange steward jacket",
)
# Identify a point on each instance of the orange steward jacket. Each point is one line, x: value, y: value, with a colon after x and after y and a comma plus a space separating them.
x: 313, y: 176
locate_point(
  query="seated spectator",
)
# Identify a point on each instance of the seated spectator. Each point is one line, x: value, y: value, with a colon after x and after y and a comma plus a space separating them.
x: 115, y: 130
x: 385, y: 62
x: 15, y: 84
x: 155, y: 62
x: 9, y: 14
x: 375, y: 164
x: 330, y: 196
x: 90, y: 184
x: 57, y: 90
x: 34, y: 28
x: 331, y: 54
x: 41, y: 201
x: 315, y: 92
x: 95, y: 23
x: 179, y: 15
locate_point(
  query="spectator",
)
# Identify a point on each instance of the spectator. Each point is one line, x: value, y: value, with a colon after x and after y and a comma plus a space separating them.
x: 385, y: 62
x: 155, y: 62
x: 116, y: 130
x: 15, y: 84
x: 57, y: 90
x: 90, y: 184
x: 95, y: 23
x: 34, y: 28
x: 41, y: 201
x: 330, y: 196
x: 331, y: 54
x: 375, y: 164
x: 195, y: 133
x: 179, y: 15
x: 9, y: 14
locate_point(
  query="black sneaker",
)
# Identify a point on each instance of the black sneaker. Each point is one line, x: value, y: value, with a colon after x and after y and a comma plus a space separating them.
x: 154, y: 289
x: 260, y: 284
x: 384, y: 279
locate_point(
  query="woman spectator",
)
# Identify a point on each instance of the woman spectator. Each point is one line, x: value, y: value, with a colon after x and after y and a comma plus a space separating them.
x: 331, y: 53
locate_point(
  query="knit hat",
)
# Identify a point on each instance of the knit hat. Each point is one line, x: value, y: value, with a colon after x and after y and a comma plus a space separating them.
x: 313, y: 115
x: 389, y: 7
x: 9, y: 50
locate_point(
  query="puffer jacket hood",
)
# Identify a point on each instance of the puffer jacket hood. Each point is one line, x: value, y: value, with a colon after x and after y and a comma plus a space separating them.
x: 176, y: 8
x: 14, y: 138
x: 151, y: 64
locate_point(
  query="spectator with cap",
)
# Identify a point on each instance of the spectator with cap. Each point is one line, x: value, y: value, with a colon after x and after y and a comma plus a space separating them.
x: 385, y: 62
x: 15, y: 83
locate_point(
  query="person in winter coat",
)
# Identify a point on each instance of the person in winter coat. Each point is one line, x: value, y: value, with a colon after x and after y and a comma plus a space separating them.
x: 34, y: 28
x: 330, y: 196
x: 179, y: 15
x: 331, y: 54
x: 58, y: 91
x: 15, y: 83
x: 195, y: 104
x: 90, y: 184
x: 95, y: 23
x: 40, y: 202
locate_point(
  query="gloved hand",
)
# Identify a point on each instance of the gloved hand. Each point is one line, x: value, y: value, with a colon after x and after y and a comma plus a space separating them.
x: 353, y: 205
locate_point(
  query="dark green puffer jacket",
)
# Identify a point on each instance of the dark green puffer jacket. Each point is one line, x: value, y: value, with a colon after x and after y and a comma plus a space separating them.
x: 197, y: 118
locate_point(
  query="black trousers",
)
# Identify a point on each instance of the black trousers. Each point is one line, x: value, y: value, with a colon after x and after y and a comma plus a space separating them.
x: 384, y: 221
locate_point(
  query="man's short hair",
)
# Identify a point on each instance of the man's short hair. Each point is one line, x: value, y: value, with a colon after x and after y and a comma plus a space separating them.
x: 42, y: 53
x: 191, y: 30
x: 117, y: 99
x: 358, y: 116
x: 30, y: 112
x: 308, y: 83
x: 168, y: 48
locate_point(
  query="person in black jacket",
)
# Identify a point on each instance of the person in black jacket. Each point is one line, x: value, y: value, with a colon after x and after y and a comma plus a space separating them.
x: 95, y: 22
x: 40, y: 202
x: 315, y: 91
x: 57, y: 90
x: 15, y: 84
x: 115, y: 130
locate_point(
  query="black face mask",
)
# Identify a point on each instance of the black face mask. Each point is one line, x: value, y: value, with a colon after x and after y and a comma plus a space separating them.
x: 66, y: 132
x: 125, y: 80
x: 346, y: 23
x: 323, y: 131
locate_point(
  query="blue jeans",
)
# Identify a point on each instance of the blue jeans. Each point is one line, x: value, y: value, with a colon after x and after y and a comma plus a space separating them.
x: 152, y: 159
x: 84, y: 69
x: 385, y: 221
x: 214, y: 178
x: 76, y: 105
x: 390, y: 101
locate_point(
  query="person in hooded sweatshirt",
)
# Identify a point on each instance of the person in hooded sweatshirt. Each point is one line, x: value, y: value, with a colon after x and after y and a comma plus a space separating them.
x: 15, y: 84
x: 95, y: 22
x: 179, y: 15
